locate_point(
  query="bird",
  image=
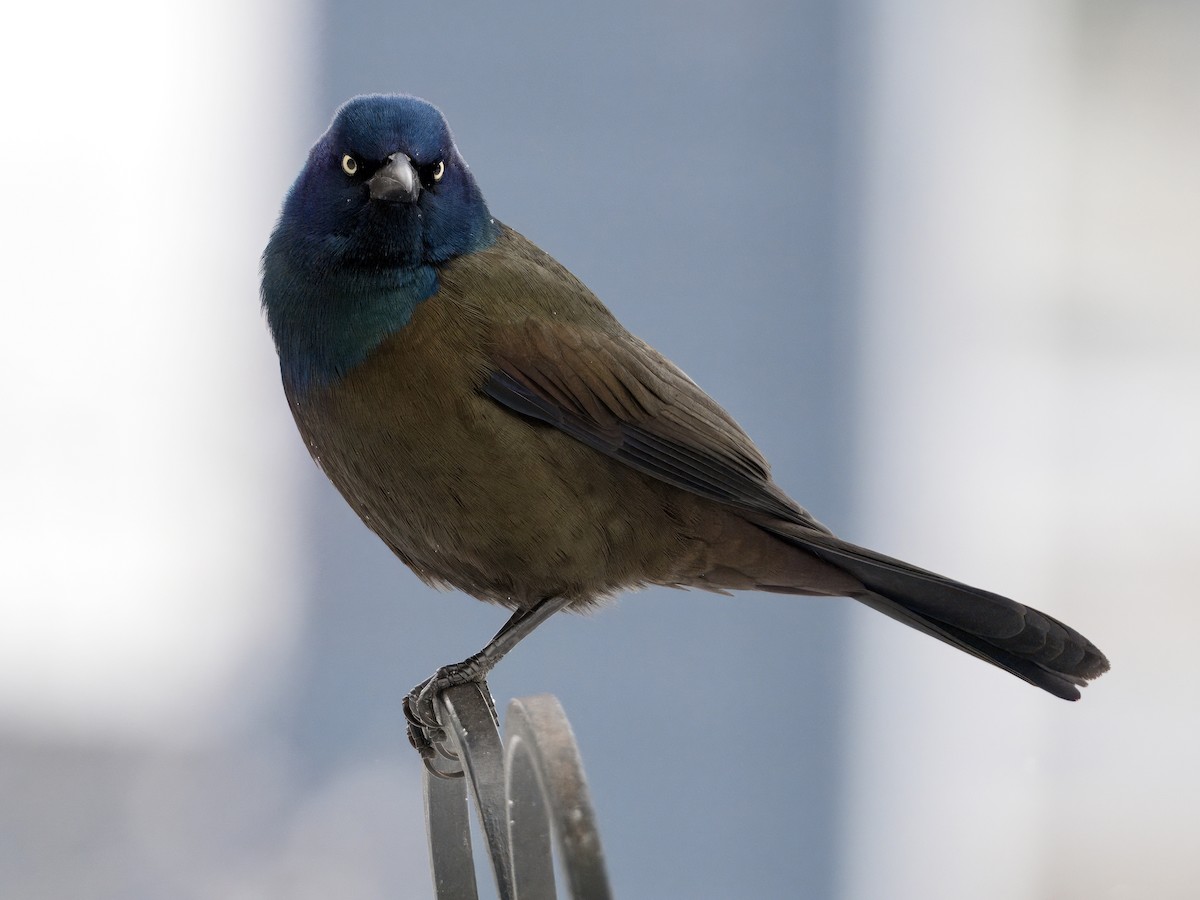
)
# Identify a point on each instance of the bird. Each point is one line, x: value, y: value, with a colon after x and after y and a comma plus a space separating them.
x: 494, y: 424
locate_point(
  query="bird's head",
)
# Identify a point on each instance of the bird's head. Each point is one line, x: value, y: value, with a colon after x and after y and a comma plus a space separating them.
x: 386, y: 186
x: 383, y: 199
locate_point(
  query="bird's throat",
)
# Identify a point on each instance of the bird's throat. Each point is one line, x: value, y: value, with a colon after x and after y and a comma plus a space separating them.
x: 326, y: 323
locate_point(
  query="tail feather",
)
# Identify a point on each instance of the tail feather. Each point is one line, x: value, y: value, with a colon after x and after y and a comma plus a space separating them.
x: 1057, y: 683
x: 1028, y: 643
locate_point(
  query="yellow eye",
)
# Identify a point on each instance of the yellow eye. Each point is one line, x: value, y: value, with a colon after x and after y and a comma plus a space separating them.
x: 349, y: 164
x: 439, y: 169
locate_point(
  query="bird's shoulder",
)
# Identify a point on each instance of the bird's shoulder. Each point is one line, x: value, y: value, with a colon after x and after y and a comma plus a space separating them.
x: 514, y: 279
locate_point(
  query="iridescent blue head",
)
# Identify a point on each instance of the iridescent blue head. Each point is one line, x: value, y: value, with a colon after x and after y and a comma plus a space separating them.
x: 385, y: 185
x: 384, y: 198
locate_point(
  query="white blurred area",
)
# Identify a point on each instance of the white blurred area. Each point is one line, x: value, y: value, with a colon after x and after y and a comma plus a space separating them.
x: 1031, y: 423
x: 149, y: 523
x: 153, y: 579
x: 147, y: 520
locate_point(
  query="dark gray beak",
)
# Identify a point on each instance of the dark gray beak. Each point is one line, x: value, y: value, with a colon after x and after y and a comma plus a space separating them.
x: 396, y: 181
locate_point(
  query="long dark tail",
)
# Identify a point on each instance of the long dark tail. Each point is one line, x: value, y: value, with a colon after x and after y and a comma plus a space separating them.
x: 1019, y: 639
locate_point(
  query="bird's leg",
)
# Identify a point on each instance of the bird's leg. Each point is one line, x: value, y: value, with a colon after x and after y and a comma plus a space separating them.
x: 425, y: 731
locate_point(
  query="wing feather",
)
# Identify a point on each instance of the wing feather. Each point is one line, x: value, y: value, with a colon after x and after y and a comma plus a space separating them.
x: 620, y: 396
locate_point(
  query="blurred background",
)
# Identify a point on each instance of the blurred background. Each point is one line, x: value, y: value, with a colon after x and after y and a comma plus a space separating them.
x: 940, y: 259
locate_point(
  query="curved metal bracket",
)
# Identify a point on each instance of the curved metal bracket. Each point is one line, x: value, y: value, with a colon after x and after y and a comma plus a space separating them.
x: 531, y: 797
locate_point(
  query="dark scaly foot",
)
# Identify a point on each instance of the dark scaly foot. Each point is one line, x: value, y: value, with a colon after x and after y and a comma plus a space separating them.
x: 422, y: 705
x: 423, y: 710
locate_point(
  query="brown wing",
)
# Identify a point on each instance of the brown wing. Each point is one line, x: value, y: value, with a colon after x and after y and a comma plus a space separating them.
x: 620, y: 396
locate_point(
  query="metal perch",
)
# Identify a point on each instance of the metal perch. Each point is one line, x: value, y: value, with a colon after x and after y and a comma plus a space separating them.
x: 530, y: 794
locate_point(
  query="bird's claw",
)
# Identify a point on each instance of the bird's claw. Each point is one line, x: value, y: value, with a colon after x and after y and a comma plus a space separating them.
x: 423, y: 707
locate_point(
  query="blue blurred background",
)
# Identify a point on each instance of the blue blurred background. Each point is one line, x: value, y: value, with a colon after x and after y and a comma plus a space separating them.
x: 940, y: 261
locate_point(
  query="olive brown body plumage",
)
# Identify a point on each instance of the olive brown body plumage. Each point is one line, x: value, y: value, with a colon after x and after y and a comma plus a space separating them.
x: 496, y: 426
x: 519, y: 510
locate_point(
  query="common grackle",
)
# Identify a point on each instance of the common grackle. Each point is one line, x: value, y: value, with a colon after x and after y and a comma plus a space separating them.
x: 498, y: 428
